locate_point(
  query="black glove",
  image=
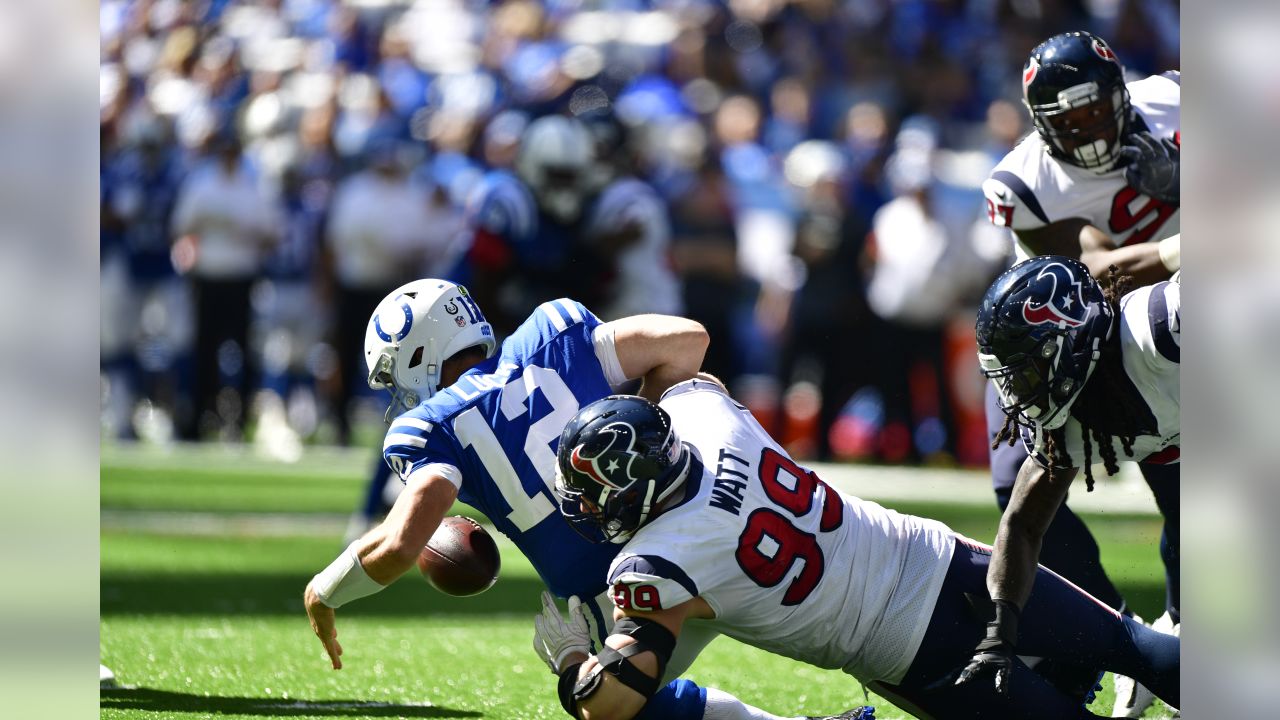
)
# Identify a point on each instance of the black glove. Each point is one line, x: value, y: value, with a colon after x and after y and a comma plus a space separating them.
x: 1152, y: 166
x: 995, y: 651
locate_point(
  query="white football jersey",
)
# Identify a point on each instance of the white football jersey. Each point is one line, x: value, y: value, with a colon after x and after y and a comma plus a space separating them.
x: 1150, y: 343
x: 646, y: 280
x: 787, y: 563
x: 1030, y: 188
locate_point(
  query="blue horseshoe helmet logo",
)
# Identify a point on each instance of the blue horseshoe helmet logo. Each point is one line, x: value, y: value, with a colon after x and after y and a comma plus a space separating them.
x: 403, y: 331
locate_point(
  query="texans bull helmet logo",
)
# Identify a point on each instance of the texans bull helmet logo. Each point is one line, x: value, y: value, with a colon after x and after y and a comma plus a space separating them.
x: 1100, y: 47
x: 610, y: 458
x: 1065, y: 306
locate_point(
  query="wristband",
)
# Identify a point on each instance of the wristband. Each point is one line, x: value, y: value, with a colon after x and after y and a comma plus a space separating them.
x: 1005, y: 623
x: 344, y: 580
x: 1171, y: 252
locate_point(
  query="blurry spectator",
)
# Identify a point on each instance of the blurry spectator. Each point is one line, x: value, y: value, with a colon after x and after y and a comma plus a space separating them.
x: 502, y: 139
x: 788, y: 124
x: 290, y: 318
x: 828, y: 331
x: 146, y: 324
x: 381, y: 230
x: 913, y: 291
x: 224, y: 223
x: 765, y: 230
x: 705, y: 254
x: 703, y: 102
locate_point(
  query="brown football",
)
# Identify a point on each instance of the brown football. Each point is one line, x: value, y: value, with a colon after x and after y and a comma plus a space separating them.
x: 461, y: 558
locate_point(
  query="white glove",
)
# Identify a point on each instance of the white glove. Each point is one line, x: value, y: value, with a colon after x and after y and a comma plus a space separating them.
x: 554, y: 638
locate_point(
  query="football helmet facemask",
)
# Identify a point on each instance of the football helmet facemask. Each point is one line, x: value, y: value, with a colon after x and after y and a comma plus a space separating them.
x: 413, y: 331
x: 1040, y: 332
x: 557, y: 159
x: 618, y: 459
x: 1073, y: 85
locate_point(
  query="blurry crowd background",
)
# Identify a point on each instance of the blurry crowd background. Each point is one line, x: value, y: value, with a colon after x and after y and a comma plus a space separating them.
x: 271, y: 168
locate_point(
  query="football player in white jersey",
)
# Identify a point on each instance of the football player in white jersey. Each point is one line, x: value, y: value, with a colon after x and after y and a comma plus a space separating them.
x: 1079, y: 371
x: 722, y: 527
x: 1099, y: 177
x: 1097, y: 181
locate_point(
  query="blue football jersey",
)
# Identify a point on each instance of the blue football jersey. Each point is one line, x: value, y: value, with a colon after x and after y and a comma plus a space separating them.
x: 495, y: 431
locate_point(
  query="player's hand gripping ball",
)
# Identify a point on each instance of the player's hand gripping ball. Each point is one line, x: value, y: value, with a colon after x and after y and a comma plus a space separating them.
x: 461, y: 558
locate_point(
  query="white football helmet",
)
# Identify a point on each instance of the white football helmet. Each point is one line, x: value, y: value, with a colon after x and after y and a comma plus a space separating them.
x: 556, y: 161
x: 413, y: 331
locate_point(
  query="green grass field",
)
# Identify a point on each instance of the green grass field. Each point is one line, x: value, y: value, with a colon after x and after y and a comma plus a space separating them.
x: 205, y: 555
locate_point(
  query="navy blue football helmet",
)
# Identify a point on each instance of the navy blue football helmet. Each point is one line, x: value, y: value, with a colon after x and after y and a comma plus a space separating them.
x: 1040, y: 332
x: 618, y: 459
x: 1073, y: 85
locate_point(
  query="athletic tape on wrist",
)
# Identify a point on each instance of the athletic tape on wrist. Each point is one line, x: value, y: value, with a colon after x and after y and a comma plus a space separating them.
x: 1171, y: 253
x: 344, y: 580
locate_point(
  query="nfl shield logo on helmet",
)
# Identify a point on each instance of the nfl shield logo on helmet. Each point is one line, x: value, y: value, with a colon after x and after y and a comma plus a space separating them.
x: 1065, y: 307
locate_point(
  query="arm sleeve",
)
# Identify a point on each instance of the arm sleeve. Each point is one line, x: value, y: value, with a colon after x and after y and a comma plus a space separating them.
x: 445, y: 470
x: 607, y: 354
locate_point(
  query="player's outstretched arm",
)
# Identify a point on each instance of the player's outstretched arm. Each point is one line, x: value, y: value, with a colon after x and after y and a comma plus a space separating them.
x: 1147, y: 263
x: 391, y: 549
x: 1036, y: 498
x: 1035, y: 501
x: 375, y: 560
x: 662, y: 349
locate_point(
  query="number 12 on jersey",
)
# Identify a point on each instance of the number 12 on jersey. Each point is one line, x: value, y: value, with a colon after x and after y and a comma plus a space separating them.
x: 771, y: 543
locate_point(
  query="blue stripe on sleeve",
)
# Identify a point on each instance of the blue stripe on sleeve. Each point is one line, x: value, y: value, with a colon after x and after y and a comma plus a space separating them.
x: 1161, y: 332
x: 657, y: 566
x: 1019, y: 188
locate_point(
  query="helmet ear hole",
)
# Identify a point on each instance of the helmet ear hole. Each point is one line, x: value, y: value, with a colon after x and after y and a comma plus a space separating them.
x: 416, y: 360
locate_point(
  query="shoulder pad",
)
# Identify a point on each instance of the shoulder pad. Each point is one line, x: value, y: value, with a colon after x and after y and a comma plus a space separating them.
x: 502, y: 205
x: 563, y: 313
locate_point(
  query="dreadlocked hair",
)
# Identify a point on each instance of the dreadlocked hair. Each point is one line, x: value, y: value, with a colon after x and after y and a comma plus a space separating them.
x: 1102, y: 396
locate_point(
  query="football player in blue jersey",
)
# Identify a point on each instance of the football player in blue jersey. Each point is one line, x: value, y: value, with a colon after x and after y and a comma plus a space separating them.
x: 559, y: 224
x: 479, y: 423
x: 551, y: 228
x: 1078, y: 370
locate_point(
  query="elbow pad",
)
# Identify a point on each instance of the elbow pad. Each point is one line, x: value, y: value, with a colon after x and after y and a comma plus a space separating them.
x: 564, y: 688
x: 649, y: 636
